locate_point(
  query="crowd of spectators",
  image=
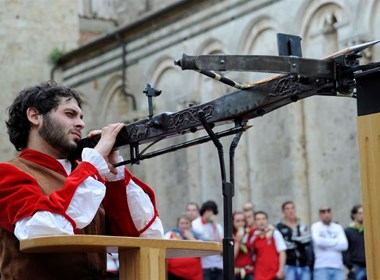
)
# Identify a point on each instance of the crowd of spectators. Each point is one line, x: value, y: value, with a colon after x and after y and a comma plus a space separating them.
x: 288, y: 249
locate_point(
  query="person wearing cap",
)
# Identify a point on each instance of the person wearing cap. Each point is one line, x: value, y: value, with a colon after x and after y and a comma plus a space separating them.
x: 329, y: 241
x: 211, y: 230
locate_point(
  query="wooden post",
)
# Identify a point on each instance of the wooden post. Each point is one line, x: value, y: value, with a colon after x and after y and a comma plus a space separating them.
x: 368, y: 95
x: 142, y: 263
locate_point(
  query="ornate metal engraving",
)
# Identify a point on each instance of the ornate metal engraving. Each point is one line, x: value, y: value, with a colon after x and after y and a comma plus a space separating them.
x: 137, y: 133
x: 189, y: 116
x: 285, y: 86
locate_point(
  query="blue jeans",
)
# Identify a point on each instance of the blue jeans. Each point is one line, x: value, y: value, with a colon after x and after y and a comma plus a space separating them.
x: 297, y: 272
x: 328, y: 274
x: 359, y: 273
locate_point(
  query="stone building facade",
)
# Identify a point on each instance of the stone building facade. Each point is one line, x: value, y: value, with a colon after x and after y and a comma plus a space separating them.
x: 306, y: 152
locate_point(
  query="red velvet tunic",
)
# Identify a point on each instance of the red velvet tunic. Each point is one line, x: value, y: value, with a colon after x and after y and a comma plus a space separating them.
x: 37, y: 182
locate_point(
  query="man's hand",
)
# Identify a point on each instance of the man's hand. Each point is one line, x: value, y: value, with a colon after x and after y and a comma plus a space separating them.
x: 239, y: 235
x: 280, y: 274
x: 106, y: 143
x: 282, y: 260
x: 188, y: 235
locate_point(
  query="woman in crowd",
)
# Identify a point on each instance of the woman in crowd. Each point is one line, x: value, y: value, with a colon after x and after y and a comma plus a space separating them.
x: 242, y: 251
x: 184, y: 268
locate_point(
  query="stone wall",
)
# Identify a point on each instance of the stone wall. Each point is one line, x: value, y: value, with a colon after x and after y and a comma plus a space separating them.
x: 30, y: 31
x: 306, y: 152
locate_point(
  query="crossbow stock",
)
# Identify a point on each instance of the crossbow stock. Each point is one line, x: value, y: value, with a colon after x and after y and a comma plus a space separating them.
x: 298, y: 78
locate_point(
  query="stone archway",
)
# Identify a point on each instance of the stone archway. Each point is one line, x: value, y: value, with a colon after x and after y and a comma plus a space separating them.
x: 114, y: 105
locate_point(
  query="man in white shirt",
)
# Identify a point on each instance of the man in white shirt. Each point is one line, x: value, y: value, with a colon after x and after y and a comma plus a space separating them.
x: 211, y: 230
x: 329, y: 241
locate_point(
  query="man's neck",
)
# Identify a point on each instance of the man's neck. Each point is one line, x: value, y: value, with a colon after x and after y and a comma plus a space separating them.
x: 37, y: 143
x: 292, y: 222
x: 45, y: 148
x: 204, y: 220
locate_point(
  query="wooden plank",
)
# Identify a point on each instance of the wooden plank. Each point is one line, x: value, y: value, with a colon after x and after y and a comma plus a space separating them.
x: 139, y: 258
x: 129, y: 264
x: 369, y: 141
x: 99, y: 243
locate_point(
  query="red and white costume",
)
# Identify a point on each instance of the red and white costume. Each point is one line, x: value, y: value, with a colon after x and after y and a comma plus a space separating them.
x: 28, y: 210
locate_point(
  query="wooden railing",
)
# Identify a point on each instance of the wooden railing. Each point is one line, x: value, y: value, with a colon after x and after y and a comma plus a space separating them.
x: 140, y: 258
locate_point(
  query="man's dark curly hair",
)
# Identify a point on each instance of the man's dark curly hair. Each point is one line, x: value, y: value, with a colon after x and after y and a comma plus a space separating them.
x: 209, y: 205
x: 44, y: 97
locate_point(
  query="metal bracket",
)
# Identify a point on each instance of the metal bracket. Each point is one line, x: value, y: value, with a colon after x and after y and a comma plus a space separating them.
x: 151, y: 92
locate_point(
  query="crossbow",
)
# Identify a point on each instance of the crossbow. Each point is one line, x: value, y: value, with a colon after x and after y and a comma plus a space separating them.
x: 297, y: 78
x: 339, y: 74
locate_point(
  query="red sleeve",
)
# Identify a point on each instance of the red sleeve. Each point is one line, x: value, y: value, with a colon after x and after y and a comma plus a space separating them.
x: 21, y: 197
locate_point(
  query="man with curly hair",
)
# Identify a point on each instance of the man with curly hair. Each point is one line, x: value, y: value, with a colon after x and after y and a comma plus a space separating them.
x: 43, y: 192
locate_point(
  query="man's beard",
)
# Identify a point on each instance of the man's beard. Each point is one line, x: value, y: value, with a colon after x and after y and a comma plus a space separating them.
x: 55, y: 135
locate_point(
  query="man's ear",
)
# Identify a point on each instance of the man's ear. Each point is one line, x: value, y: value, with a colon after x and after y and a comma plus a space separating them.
x: 33, y: 116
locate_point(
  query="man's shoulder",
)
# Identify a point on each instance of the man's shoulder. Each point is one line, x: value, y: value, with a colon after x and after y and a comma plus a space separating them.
x: 283, y: 228
x: 279, y: 241
x: 11, y: 175
x: 280, y: 224
x: 349, y: 230
x: 336, y: 225
x: 277, y: 233
x: 301, y: 224
x: 197, y: 222
x: 317, y: 223
x: 6, y: 167
x: 352, y: 232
